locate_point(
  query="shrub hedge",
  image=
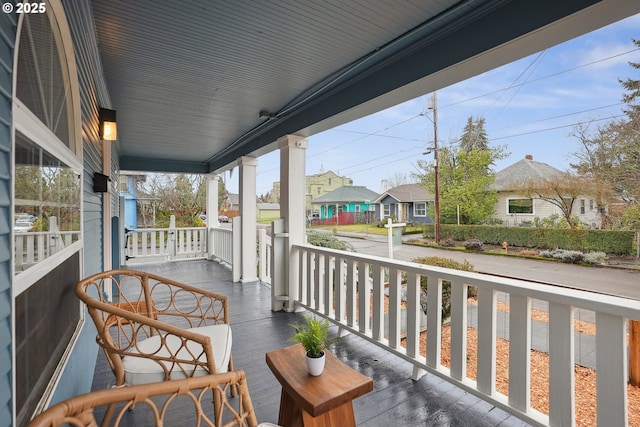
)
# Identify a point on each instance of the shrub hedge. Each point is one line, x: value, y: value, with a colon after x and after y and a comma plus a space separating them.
x: 614, y: 242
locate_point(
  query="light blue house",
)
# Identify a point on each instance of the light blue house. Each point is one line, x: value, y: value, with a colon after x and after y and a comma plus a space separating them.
x: 346, y: 204
x: 129, y: 193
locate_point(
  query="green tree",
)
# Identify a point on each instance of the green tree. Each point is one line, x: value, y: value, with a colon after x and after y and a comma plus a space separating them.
x: 609, y: 155
x: 632, y: 86
x: 181, y: 195
x: 474, y: 135
x: 466, y: 177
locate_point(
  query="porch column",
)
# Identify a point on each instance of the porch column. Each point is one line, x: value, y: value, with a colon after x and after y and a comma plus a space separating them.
x: 211, y: 205
x: 248, y: 218
x: 107, y: 263
x: 292, y: 208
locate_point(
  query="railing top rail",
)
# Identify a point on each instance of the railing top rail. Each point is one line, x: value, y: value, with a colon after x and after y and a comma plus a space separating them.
x: 166, y: 229
x: 221, y: 230
x: 41, y: 233
x: 610, y: 304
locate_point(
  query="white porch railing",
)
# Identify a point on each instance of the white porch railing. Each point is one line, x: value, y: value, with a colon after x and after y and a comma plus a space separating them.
x: 165, y: 244
x: 33, y: 247
x: 350, y: 289
x: 222, y: 239
x: 264, y: 252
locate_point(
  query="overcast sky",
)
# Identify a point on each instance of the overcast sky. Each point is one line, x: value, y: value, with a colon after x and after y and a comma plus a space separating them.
x: 531, y: 106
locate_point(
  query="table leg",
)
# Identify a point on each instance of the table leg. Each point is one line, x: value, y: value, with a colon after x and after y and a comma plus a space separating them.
x: 291, y: 415
x: 341, y: 416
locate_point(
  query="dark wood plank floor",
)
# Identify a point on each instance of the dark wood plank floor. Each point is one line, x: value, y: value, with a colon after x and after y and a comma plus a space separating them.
x: 396, y: 399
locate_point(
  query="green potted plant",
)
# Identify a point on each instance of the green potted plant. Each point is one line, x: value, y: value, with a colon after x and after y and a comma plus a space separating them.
x: 314, y: 337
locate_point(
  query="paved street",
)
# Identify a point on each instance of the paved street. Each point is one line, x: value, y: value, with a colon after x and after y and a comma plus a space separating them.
x: 614, y: 281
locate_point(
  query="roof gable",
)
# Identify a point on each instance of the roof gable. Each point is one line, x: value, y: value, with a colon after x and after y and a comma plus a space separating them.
x: 511, y: 177
x: 407, y: 193
x: 347, y: 193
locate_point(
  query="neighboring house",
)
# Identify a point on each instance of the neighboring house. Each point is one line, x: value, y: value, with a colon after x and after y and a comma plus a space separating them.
x: 129, y: 191
x: 514, y: 208
x: 230, y: 206
x: 268, y: 210
x: 347, y: 204
x: 231, y: 202
x: 316, y: 186
x: 408, y: 203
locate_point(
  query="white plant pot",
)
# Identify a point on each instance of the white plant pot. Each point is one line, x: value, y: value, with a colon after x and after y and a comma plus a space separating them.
x: 315, y: 365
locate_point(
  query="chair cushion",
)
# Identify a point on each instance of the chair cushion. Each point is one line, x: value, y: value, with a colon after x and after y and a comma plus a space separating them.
x: 141, y: 370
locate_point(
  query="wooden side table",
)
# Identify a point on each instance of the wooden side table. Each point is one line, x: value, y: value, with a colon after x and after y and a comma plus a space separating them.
x: 325, y: 400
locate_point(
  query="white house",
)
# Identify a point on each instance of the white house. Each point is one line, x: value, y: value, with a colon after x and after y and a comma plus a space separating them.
x: 514, y: 208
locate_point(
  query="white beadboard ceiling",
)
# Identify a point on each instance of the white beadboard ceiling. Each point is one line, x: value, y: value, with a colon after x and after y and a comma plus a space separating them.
x: 189, y: 78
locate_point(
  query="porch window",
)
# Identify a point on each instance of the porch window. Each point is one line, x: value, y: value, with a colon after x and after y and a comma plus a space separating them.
x: 386, y: 210
x: 47, y: 199
x: 520, y: 206
x: 420, y: 209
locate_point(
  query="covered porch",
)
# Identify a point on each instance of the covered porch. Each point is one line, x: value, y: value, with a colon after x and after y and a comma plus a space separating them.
x: 207, y: 87
x: 396, y: 398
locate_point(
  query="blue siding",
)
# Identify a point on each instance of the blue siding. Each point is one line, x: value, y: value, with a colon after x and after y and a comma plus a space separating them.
x: 130, y: 218
x: 7, y: 44
x: 78, y: 374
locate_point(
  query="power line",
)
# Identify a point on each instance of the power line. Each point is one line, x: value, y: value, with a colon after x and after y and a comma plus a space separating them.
x: 364, y: 135
x: 541, y: 78
x: 556, y: 127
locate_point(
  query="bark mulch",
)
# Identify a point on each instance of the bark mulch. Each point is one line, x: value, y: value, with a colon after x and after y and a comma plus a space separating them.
x: 585, y: 378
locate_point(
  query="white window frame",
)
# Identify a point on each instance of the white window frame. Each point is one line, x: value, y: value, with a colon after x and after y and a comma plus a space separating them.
x: 533, y: 206
x: 28, y: 124
x: 386, y: 210
x: 415, y: 209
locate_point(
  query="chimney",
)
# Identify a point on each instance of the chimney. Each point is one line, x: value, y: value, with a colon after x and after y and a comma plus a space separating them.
x: 528, y: 157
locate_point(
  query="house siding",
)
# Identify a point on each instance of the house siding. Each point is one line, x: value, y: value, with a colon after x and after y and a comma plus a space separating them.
x: 541, y: 209
x: 78, y: 373
x: 7, y: 47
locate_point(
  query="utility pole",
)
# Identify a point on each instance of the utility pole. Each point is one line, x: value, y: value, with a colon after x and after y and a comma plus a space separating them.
x: 436, y: 167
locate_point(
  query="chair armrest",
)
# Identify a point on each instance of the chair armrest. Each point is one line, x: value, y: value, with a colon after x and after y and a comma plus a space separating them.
x: 81, y: 410
x: 197, y: 306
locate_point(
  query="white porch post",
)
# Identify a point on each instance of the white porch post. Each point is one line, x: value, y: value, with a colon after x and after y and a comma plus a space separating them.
x: 106, y: 209
x: 212, y: 210
x: 248, y: 218
x: 292, y: 207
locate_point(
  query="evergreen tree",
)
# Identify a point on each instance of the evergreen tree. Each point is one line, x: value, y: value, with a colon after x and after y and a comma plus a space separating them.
x: 610, y: 154
x: 474, y: 135
x: 466, y: 177
x: 632, y: 86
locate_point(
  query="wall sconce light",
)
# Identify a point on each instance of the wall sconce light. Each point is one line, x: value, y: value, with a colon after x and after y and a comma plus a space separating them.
x: 100, y: 183
x: 108, y: 127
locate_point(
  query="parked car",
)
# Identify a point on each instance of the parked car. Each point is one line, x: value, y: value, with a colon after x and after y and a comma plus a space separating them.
x: 26, y: 217
x: 22, y: 226
x: 223, y: 218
